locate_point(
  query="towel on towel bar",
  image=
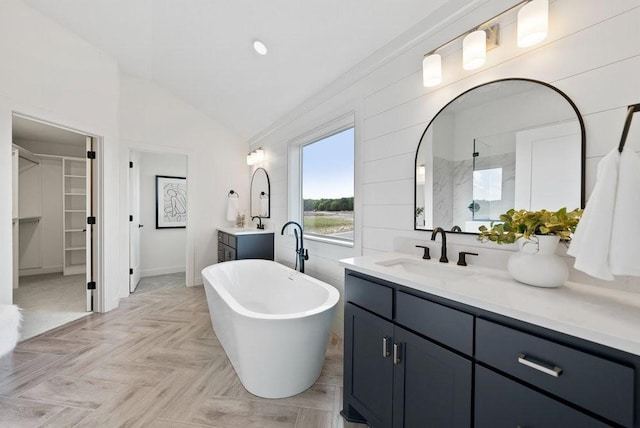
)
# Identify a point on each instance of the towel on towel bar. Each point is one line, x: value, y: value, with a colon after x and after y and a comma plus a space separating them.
x: 232, y: 208
x: 605, y: 239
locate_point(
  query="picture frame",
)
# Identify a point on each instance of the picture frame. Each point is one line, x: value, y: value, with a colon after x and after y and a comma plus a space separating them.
x: 171, y: 202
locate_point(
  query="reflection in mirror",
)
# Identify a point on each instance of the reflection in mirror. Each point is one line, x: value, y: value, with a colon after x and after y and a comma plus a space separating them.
x: 512, y: 143
x: 260, y: 194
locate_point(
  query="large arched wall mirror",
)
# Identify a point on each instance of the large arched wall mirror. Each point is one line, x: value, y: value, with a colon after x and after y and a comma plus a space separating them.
x: 511, y: 143
x: 260, y: 194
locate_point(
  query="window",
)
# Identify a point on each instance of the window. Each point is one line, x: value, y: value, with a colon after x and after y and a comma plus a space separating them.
x: 327, y: 173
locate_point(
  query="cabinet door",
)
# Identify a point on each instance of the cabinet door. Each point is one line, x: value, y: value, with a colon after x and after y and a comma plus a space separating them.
x: 368, y: 378
x: 432, y: 385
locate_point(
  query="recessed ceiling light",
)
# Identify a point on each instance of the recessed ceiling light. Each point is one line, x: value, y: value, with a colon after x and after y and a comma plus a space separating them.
x: 259, y: 47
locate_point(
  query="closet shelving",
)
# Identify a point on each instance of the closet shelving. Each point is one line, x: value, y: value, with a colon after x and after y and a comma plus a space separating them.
x: 75, y: 215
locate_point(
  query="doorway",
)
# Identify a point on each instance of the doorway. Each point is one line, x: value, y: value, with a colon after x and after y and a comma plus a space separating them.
x: 53, y: 219
x: 157, y: 220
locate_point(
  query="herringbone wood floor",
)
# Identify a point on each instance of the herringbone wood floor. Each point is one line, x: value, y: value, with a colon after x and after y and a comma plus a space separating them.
x: 154, y: 361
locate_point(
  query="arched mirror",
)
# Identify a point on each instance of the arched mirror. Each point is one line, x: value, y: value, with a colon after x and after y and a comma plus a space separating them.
x: 260, y: 194
x: 512, y: 143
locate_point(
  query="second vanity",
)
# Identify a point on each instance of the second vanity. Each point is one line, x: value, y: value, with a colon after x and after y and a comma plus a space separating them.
x: 245, y: 243
x: 430, y: 345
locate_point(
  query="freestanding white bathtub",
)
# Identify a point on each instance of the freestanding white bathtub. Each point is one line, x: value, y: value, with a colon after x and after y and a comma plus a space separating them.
x: 272, y: 321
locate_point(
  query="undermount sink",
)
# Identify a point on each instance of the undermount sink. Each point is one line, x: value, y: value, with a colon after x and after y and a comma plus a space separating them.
x: 427, y: 269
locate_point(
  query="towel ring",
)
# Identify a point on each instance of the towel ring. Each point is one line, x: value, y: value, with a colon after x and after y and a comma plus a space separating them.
x: 634, y: 108
x: 231, y: 193
x: 264, y: 195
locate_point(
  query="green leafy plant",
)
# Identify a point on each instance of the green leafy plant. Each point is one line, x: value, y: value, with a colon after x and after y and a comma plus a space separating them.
x: 523, y: 224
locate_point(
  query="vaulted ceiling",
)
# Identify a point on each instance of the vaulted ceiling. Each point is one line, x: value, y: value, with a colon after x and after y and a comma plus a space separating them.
x: 201, y: 50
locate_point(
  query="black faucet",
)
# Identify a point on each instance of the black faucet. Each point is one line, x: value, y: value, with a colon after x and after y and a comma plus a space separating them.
x: 260, y: 225
x: 300, y: 251
x: 443, y: 252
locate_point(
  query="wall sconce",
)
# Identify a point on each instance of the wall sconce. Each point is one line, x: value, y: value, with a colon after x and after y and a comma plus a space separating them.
x: 255, y: 156
x: 431, y: 70
x: 474, y: 50
x: 533, y: 23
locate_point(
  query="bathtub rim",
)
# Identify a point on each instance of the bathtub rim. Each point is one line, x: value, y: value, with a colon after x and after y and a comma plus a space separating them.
x: 330, y: 302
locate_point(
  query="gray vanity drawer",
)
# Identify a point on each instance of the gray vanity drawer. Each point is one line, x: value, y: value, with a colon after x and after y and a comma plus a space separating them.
x: 503, y: 403
x: 440, y: 323
x: 377, y: 298
x: 600, y: 385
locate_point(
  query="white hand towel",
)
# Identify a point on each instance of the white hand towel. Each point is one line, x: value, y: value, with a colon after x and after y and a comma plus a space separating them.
x: 591, y: 241
x: 232, y: 208
x: 624, y: 258
x: 264, y: 206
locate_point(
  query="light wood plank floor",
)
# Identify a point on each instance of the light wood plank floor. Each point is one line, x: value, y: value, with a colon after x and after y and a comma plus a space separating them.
x: 154, y: 361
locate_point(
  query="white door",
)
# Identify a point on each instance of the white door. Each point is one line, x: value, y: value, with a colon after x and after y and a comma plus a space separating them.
x: 89, y: 231
x: 544, y: 181
x: 134, y: 220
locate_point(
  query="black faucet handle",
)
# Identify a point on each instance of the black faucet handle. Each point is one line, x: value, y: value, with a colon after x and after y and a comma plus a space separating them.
x: 306, y: 254
x: 462, y: 261
x: 426, y: 254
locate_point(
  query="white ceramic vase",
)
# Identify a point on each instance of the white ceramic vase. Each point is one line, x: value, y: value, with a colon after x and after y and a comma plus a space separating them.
x: 537, y: 263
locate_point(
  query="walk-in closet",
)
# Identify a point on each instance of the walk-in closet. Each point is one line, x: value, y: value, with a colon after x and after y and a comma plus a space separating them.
x: 49, y: 225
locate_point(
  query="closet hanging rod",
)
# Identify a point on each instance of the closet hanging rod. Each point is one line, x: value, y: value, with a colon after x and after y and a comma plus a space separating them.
x: 29, y: 159
x: 633, y: 108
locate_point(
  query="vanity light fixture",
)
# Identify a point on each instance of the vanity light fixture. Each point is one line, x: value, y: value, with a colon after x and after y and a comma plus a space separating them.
x: 255, y: 156
x: 533, y: 23
x: 432, y: 70
x: 259, y: 47
x: 474, y: 50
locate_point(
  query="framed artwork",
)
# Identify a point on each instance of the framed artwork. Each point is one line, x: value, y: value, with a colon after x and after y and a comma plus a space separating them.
x: 171, y: 202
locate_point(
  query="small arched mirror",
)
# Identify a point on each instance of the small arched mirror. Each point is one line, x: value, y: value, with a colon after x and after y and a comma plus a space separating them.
x: 260, y: 194
x: 512, y: 143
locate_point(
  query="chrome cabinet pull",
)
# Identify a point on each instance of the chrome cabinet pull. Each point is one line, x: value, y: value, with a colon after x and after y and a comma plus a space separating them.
x: 396, y: 353
x: 537, y: 365
x: 385, y: 347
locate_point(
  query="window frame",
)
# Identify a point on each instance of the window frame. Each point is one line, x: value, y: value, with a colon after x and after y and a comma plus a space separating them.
x: 296, y: 202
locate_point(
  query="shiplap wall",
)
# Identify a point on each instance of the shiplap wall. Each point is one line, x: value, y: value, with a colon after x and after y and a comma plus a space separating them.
x: 592, y: 54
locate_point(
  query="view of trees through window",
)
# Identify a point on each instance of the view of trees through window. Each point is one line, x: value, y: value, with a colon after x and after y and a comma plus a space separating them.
x: 327, y: 186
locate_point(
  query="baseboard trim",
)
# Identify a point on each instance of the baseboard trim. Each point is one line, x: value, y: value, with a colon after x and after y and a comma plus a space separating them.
x: 40, y: 271
x: 161, y: 271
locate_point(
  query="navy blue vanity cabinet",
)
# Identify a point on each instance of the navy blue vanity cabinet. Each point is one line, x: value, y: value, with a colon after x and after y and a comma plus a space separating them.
x: 413, y: 359
x: 244, y: 246
x: 395, y: 377
x: 503, y: 403
x: 369, y: 362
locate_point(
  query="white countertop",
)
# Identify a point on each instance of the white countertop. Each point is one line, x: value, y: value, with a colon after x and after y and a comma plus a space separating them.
x: 243, y: 231
x: 595, y: 313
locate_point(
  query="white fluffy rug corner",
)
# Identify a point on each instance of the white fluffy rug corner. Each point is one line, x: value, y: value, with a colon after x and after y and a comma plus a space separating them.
x: 10, y: 319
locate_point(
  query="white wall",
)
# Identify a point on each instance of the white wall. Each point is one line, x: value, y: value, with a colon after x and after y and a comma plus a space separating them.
x: 591, y: 54
x: 41, y: 241
x: 161, y: 250
x: 51, y: 74
x: 153, y: 120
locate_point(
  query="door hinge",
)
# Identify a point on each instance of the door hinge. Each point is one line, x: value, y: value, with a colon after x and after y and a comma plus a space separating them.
x: 130, y: 164
x: 476, y: 154
x: 91, y: 154
x: 91, y: 220
x: 130, y: 271
x: 130, y: 218
x: 91, y: 285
